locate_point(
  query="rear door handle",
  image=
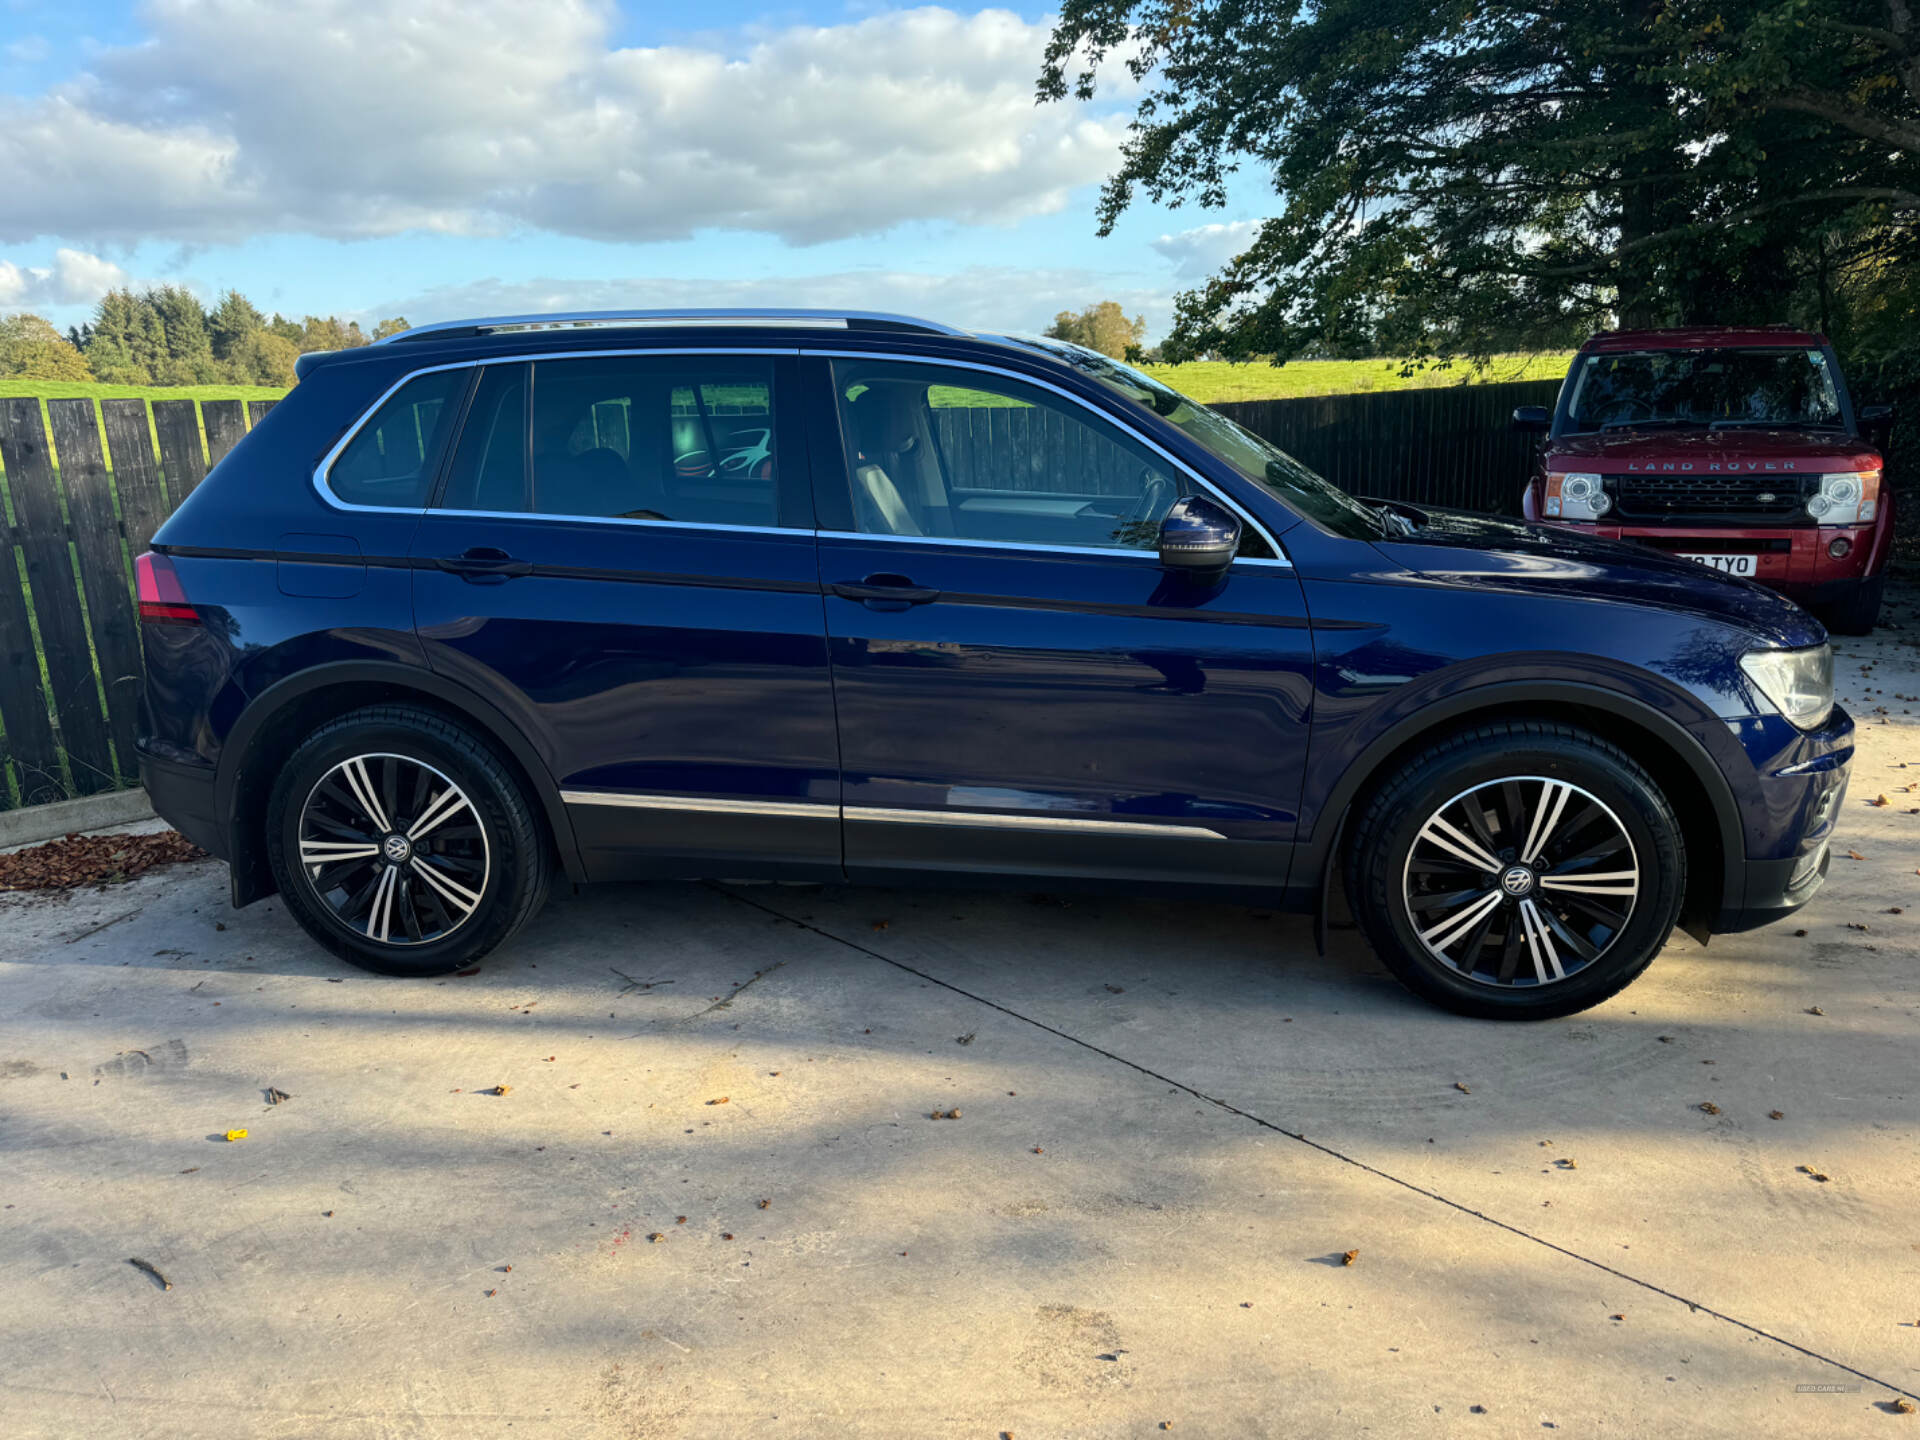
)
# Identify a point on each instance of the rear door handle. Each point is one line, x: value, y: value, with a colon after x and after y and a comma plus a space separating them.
x: 885, y: 592
x: 484, y: 565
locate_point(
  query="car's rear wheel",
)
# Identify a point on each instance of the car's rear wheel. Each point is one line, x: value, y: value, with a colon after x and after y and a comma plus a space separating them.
x: 1520, y: 870
x: 1858, y: 610
x: 403, y: 843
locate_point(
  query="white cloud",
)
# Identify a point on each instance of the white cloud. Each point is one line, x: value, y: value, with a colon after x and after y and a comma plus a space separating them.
x: 345, y: 118
x: 1204, y: 249
x: 996, y: 298
x: 29, y: 49
x: 74, y: 278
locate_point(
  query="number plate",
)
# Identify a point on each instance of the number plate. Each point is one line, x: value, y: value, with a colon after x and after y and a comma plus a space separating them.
x: 1731, y: 564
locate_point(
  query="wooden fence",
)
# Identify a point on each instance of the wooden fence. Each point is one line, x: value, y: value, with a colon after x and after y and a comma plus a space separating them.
x: 1453, y: 446
x: 86, y: 488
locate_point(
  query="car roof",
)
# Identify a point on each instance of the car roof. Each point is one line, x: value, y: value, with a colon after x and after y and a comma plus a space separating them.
x: 1705, y: 337
x: 454, y: 340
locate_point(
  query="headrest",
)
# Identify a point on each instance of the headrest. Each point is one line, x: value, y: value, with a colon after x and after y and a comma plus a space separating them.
x: 886, y: 416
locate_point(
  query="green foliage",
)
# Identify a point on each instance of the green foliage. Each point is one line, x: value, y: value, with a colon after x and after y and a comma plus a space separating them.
x: 1103, y: 327
x: 1460, y: 176
x: 164, y: 336
x: 31, y: 349
x: 391, y: 326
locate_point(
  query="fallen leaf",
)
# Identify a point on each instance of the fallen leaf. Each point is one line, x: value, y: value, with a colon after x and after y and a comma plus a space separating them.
x: 498, y: 1090
x: 77, y: 860
x: 1776, y: 1114
x: 1878, y: 801
x: 1900, y: 1407
x: 655, y: 1237
x: 1568, y: 1164
x: 1616, y: 1317
x: 1117, y: 989
x: 1855, y: 855
x: 966, y: 1039
x: 679, y: 1219
x: 721, y: 1101
x: 274, y: 1097
x: 142, y: 1265
x: 1461, y: 1088
x: 1812, y: 1173
x: 1038, y: 1151
x: 1815, y: 1010
x: 726, y: 1234
x: 233, y: 1135
x: 764, y: 1204
x: 1349, y: 1257
x: 1708, y: 1107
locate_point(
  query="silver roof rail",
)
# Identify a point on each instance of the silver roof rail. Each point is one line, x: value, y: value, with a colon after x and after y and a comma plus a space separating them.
x: 632, y: 319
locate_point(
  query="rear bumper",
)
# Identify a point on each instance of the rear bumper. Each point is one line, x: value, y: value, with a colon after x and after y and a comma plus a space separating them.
x: 182, y: 795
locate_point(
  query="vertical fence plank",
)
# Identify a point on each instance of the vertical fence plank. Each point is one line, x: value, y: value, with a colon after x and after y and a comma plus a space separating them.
x: 178, y: 425
x: 103, y: 571
x: 23, y: 699
x: 226, y: 422
x: 136, y: 478
x: 257, y: 411
x: 42, y: 534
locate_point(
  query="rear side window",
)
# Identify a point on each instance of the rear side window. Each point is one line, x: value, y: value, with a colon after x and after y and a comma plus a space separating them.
x: 631, y: 437
x: 392, y: 459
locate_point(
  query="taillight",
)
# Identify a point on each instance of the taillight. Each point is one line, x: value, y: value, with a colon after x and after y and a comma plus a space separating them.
x: 162, y: 600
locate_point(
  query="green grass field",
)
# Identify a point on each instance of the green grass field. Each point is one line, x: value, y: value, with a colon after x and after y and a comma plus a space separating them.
x: 11, y: 388
x: 1207, y: 381
x: 1213, y: 381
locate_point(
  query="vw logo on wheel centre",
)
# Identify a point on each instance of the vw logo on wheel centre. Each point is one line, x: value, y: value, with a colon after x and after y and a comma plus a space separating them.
x: 1517, y: 881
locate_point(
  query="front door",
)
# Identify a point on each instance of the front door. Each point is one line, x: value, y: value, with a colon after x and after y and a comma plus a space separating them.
x: 1021, y: 688
x: 621, y: 557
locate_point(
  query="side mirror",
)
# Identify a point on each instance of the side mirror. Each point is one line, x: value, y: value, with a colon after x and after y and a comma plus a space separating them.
x: 1532, y: 417
x: 1875, y: 415
x: 1198, y: 538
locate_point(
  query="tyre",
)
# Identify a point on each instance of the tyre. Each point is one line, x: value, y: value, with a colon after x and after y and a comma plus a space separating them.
x: 1520, y: 870
x: 403, y: 843
x: 1859, y: 610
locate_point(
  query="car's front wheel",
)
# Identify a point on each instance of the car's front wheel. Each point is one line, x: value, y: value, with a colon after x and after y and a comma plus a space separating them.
x: 403, y: 843
x: 1519, y: 870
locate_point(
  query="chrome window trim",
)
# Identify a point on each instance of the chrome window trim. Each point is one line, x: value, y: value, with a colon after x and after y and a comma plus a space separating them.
x: 609, y: 319
x: 799, y: 810
x: 1178, y: 464
x: 1029, y: 547
x: 326, y: 461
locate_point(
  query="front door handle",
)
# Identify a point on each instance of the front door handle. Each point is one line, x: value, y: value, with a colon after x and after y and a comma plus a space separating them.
x: 885, y: 592
x: 484, y: 564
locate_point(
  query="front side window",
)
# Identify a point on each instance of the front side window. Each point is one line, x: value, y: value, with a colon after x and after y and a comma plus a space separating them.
x: 629, y: 437
x: 941, y: 452
x: 391, y: 460
x: 1728, y: 388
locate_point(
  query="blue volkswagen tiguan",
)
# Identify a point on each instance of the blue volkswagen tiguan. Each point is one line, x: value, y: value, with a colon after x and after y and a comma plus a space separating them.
x: 851, y: 597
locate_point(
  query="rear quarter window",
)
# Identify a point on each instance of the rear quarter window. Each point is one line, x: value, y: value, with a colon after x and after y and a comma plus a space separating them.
x: 391, y: 460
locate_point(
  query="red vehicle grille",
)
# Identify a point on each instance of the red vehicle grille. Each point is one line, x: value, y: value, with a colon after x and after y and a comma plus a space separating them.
x: 1744, y: 499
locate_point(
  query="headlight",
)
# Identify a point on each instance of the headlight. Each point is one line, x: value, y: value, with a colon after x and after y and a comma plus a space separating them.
x: 1576, y: 497
x: 1798, y: 682
x: 1850, y: 499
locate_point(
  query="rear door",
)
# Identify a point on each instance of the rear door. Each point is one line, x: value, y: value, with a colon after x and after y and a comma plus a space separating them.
x: 621, y: 556
x: 1022, y: 689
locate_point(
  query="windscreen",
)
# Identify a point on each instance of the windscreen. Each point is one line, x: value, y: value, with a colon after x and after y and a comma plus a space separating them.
x: 1724, y: 388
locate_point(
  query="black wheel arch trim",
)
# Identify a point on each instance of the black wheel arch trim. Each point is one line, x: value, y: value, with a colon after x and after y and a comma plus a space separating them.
x: 429, y: 685
x: 1316, y: 858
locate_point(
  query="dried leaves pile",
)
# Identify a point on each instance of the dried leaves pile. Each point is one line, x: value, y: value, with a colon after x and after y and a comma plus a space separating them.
x: 93, y: 860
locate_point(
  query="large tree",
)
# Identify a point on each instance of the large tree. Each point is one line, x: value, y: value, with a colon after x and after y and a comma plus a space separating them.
x: 1454, y: 176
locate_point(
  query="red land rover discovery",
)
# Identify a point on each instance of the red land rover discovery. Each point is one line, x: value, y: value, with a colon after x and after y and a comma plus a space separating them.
x: 1737, y: 448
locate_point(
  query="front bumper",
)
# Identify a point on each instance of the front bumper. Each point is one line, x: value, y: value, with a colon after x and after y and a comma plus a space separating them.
x: 1791, y: 807
x: 1790, y: 559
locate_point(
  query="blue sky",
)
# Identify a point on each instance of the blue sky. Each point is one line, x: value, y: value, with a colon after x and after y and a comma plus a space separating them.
x: 448, y: 157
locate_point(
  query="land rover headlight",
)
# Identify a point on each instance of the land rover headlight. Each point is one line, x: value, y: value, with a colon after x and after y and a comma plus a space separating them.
x: 1576, y: 497
x: 1846, y: 499
x: 1799, y: 683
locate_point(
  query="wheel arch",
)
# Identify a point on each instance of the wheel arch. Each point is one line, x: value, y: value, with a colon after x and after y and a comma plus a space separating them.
x: 1693, y: 783
x: 269, y: 729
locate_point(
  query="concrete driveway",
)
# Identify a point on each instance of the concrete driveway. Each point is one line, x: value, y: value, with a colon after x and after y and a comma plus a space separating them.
x: 711, y: 1201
